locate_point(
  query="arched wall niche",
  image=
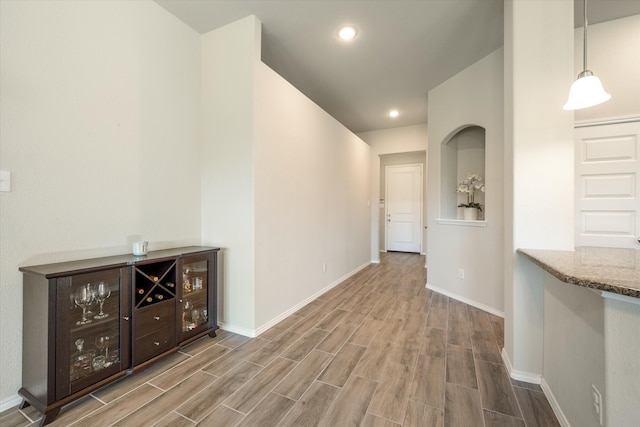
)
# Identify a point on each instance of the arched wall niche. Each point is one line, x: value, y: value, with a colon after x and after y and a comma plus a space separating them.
x: 463, y: 152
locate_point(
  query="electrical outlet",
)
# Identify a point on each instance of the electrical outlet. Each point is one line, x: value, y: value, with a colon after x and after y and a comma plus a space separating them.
x: 461, y: 273
x: 597, y: 404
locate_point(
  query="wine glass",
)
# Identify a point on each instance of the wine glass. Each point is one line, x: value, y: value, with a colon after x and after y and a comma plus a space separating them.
x: 83, y: 299
x: 91, y: 288
x: 195, y: 317
x: 102, y: 342
x: 102, y: 293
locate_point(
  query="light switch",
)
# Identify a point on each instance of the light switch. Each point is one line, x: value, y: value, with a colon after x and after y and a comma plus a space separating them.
x: 5, y: 181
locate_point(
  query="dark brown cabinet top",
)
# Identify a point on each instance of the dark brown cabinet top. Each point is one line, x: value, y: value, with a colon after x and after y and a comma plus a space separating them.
x: 76, y: 267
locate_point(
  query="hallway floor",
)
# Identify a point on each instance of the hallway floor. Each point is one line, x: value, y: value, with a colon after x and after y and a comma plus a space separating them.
x: 377, y: 350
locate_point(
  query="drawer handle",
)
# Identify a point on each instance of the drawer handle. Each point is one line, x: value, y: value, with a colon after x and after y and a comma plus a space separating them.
x: 156, y: 317
x: 156, y: 343
x: 126, y: 318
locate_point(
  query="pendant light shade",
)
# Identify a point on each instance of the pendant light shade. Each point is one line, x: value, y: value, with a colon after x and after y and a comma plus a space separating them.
x: 587, y: 90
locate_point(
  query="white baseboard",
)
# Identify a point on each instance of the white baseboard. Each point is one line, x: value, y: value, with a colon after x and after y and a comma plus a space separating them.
x: 562, y: 419
x: 536, y: 379
x: 237, y: 329
x: 527, y: 377
x: 465, y: 300
x: 10, y: 402
x: 298, y: 306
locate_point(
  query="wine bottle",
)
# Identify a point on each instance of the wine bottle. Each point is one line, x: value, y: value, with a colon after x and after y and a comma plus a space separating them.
x: 171, y: 285
x: 154, y: 278
x: 159, y: 296
x: 140, y: 291
x: 149, y: 299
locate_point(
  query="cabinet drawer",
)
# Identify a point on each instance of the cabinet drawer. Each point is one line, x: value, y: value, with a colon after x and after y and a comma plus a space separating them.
x: 153, y: 344
x: 159, y: 316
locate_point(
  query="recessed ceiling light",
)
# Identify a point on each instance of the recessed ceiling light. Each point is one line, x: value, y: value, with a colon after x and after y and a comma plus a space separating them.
x: 347, y: 33
x: 393, y: 113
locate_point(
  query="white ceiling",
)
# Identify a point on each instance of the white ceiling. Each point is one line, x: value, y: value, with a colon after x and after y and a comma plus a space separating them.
x: 403, y: 49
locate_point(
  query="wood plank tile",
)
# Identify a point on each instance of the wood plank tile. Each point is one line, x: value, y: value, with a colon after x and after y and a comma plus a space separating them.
x: 374, y: 359
x: 530, y: 386
x: 13, y: 419
x: 303, y: 375
x: 429, y: 381
x: 391, y: 396
x: 405, y: 348
x: 373, y: 421
x: 174, y: 420
x: 234, y: 341
x: 273, y: 349
x: 117, y: 409
x: 350, y: 407
x: 332, y: 319
x: 312, y: 406
x: 306, y: 310
x: 304, y: 345
x: 123, y: 386
x: 496, y: 390
x: 179, y: 372
x: 366, y: 332
x: 199, y: 405
x: 69, y: 414
x: 222, y: 416
x: 495, y: 419
x: 336, y: 339
x: 235, y: 357
x: 205, y: 342
x: 253, y: 391
x: 535, y: 408
x: 434, y: 342
x: 166, y: 402
x: 461, y: 368
x: 479, y: 320
x: 310, y: 321
x: 462, y: 407
x: 458, y: 333
x: 437, y: 318
x: 485, y: 347
x: 269, y: 412
x: 421, y: 415
x: 342, y: 365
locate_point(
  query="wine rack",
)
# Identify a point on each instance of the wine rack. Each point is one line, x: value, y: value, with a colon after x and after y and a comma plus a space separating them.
x: 154, y: 283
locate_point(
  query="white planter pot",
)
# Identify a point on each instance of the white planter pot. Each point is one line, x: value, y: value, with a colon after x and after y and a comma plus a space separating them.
x: 471, y: 214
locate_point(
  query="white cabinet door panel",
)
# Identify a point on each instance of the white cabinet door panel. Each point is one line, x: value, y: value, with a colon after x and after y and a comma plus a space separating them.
x: 607, y: 182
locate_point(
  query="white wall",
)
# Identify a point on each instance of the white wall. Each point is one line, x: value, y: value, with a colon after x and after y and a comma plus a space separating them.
x: 538, y: 165
x: 573, y: 348
x: 99, y: 125
x: 471, y: 98
x: 312, y: 199
x: 613, y: 57
x: 388, y: 141
x: 285, y: 186
x: 229, y: 58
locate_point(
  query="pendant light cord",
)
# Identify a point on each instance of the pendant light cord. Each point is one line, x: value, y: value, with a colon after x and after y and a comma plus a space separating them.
x: 584, y: 38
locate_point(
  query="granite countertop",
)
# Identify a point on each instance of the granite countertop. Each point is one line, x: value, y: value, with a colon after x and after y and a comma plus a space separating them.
x: 614, y: 270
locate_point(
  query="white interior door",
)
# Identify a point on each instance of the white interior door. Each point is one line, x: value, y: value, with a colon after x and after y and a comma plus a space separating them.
x: 607, y: 183
x: 404, y: 208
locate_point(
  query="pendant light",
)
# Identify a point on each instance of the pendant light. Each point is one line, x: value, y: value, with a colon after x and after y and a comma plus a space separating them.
x: 587, y: 90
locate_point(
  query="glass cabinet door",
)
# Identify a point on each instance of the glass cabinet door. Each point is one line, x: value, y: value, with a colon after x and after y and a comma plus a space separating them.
x: 92, y: 328
x: 194, y: 302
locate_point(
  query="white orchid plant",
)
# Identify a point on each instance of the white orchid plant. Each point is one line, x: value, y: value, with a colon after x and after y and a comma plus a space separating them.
x: 470, y: 185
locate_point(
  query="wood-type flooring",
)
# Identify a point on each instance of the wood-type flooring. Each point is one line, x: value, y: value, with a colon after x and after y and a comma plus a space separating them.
x: 377, y: 350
